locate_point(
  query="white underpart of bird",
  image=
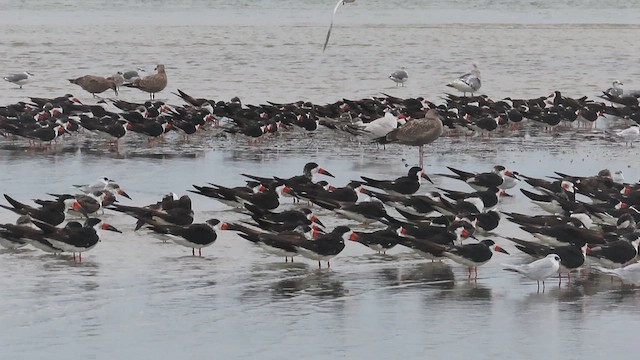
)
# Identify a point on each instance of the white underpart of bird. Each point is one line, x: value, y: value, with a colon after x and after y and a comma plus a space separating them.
x: 469, y: 82
x: 539, y: 269
x: 630, y: 134
x: 335, y: 10
x: 629, y: 274
x: 381, y: 126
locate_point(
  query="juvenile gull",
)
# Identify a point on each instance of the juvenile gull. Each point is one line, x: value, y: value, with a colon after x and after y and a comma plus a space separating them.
x: 19, y: 79
x: 340, y: 2
x: 95, y: 84
x: 469, y: 82
x: 417, y: 132
x: 152, y: 83
x: 399, y: 76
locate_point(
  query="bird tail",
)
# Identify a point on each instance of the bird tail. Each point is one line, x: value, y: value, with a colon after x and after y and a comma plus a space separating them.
x: 510, y: 267
x: 606, y: 271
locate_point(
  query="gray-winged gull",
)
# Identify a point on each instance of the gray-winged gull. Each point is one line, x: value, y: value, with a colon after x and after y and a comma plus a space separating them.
x: 467, y: 83
x: 19, y: 79
x: 335, y: 10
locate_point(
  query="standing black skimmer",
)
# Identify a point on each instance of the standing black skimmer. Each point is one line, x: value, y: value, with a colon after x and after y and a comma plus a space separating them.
x: 289, y: 219
x: 478, y: 181
x: 468, y: 83
x: 277, y: 243
x: 12, y: 236
x: 418, y: 132
x: 228, y: 196
x: 75, y: 237
x: 19, y: 79
x: 365, y: 212
x: 51, y: 213
x: 399, y: 76
x: 310, y: 169
x: 323, y: 247
x: 335, y: 10
x: 473, y: 255
x: 404, y: 185
x: 379, y: 240
x: 194, y: 236
x: 537, y: 270
x: 167, y: 212
x: 614, y: 254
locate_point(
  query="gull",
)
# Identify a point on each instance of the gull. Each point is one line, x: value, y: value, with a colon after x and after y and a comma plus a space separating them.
x: 417, y: 132
x: 469, y: 82
x: 629, y: 274
x: 19, y: 79
x: 616, y: 89
x: 537, y: 270
x: 153, y: 83
x: 399, y: 76
x: 340, y: 2
x: 630, y: 134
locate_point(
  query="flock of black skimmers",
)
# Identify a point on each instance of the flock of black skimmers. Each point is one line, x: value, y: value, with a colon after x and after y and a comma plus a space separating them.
x: 588, y: 220
x: 42, y: 120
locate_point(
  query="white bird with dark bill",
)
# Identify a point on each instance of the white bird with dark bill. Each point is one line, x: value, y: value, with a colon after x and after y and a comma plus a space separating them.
x: 335, y: 10
x: 468, y: 83
x: 19, y: 79
x: 399, y: 76
x: 537, y: 270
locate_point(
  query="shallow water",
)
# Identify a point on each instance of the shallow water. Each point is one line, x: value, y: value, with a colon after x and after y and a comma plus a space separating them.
x: 136, y: 296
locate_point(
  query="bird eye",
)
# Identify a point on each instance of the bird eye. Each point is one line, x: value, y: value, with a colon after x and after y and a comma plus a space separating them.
x: 557, y: 258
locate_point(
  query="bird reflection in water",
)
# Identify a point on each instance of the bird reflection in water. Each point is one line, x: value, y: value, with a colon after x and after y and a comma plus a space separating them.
x: 431, y: 274
x: 317, y: 283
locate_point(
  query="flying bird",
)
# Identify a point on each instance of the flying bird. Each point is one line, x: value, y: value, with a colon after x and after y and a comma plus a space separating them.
x: 335, y: 10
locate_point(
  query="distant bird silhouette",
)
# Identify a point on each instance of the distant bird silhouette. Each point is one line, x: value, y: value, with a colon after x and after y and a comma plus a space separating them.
x: 340, y: 2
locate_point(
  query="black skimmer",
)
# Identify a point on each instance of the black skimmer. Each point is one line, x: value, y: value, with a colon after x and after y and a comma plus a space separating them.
x: 228, y: 196
x: 614, y: 254
x: 573, y: 233
x: 280, y: 243
x: 404, y: 185
x: 51, y: 213
x: 399, y: 76
x: 167, y: 212
x: 473, y: 255
x: 75, y: 237
x: 379, y: 240
x: 194, y: 236
x: 417, y: 132
x: 325, y: 246
x: 365, y: 212
x: 537, y: 270
x: 19, y: 79
x: 310, y: 169
x: 468, y: 83
x: 12, y: 236
x: 478, y: 181
x: 268, y: 219
x: 152, y: 83
x: 335, y: 10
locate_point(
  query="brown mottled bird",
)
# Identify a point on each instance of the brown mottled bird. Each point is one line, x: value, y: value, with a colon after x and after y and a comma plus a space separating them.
x: 95, y: 84
x: 152, y: 83
x: 417, y: 132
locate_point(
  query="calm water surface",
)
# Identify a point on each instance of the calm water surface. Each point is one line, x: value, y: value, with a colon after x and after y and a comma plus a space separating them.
x: 134, y: 296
